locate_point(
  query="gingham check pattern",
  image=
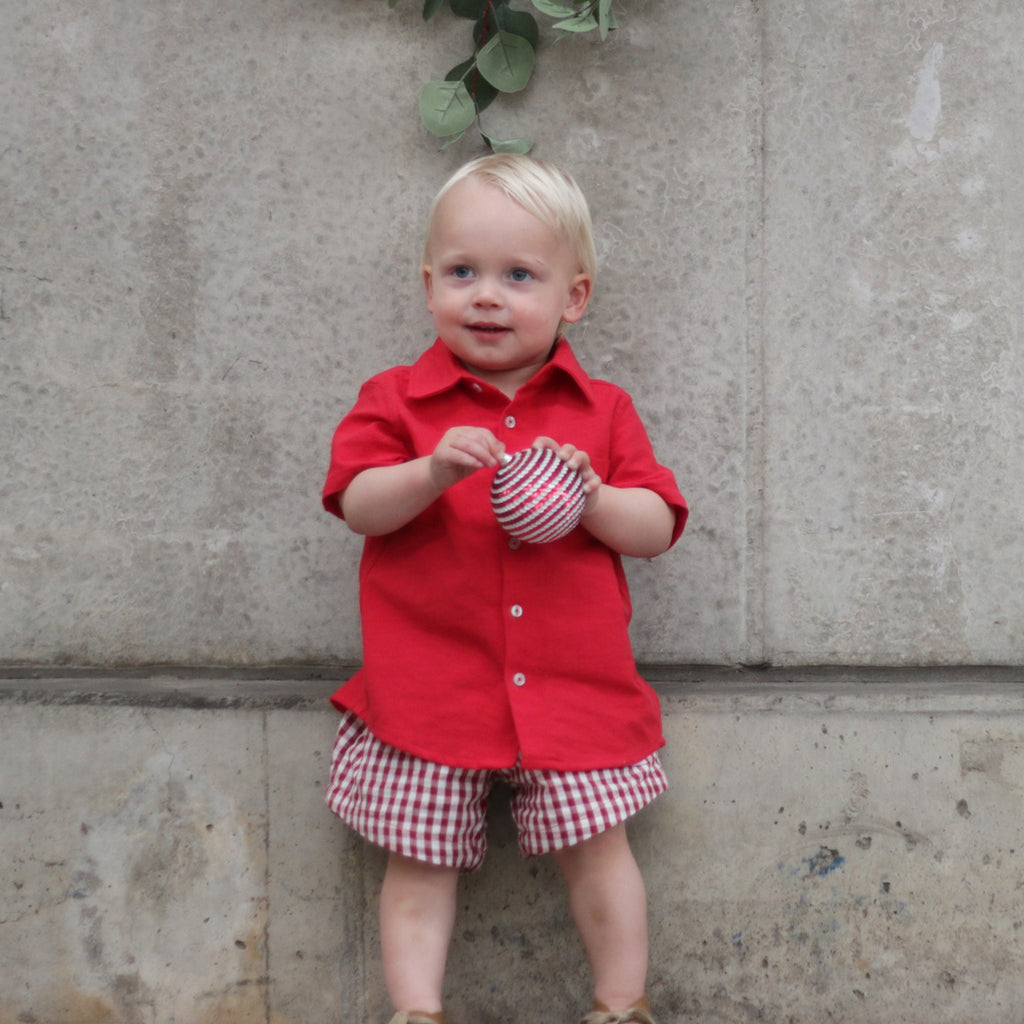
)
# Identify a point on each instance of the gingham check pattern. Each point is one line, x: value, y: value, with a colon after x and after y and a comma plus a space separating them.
x: 437, y: 813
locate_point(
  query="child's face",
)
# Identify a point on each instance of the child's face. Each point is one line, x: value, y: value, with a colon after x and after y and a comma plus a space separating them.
x: 499, y: 283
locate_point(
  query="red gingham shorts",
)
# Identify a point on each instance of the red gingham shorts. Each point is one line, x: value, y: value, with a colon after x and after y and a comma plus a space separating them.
x: 437, y: 813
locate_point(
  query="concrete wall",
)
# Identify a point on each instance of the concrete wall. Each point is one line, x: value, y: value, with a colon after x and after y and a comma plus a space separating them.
x: 810, y: 218
x: 841, y: 848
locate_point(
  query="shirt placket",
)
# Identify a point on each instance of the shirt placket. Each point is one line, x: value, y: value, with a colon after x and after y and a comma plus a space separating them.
x: 514, y: 610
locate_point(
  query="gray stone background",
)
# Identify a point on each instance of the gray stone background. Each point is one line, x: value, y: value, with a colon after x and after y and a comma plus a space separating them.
x: 810, y: 218
x: 810, y: 222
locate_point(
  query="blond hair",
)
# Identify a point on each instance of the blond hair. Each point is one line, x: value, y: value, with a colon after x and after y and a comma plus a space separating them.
x: 541, y: 188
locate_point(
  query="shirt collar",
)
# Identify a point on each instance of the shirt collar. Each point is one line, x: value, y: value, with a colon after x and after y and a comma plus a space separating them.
x: 437, y: 370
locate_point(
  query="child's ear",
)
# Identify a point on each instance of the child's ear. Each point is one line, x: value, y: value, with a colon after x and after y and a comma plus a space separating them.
x: 428, y: 284
x: 580, y: 289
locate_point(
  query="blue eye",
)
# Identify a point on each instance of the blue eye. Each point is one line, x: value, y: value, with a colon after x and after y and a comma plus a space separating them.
x: 462, y: 272
x: 520, y: 275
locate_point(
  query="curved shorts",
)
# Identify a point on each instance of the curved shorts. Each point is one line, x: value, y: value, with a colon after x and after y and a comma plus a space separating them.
x: 438, y: 814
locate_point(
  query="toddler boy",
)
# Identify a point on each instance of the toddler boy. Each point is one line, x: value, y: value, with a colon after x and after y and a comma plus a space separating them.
x: 485, y: 658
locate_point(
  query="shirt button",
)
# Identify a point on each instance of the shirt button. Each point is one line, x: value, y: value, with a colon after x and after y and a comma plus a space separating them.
x: 519, y: 679
x: 515, y: 543
x: 477, y: 386
x: 510, y: 422
x: 517, y: 611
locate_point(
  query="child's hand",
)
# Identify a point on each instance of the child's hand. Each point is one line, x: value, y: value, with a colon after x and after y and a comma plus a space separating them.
x: 578, y: 460
x: 383, y: 499
x: 462, y: 451
x: 630, y: 520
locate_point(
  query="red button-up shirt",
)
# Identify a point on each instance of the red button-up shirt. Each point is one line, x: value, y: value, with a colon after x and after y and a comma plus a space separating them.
x: 478, y: 649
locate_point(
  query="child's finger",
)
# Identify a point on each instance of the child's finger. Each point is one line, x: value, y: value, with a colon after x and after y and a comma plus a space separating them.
x: 475, y: 443
x: 575, y: 458
x: 545, y: 442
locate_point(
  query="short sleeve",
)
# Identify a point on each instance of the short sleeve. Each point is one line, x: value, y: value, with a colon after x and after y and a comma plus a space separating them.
x: 634, y: 464
x: 372, y: 434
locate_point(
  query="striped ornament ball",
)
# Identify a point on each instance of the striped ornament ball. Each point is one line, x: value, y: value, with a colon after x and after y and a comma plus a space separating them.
x: 536, y: 496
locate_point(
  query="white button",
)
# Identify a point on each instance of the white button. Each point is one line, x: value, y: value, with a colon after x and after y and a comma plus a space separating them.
x: 517, y: 611
x: 476, y: 386
x: 510, y: 421
x: 515, y: 543
x: 519, y: 679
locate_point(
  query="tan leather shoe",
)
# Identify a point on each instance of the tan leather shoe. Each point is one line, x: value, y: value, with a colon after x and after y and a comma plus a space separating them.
x: 634, y: 1016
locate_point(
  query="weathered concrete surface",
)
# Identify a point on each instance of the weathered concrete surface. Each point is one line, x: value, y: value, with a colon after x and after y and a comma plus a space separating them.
x: 835, y: 847
x: 811, y: 224
x: 162, y: 864
x: 894, y: 469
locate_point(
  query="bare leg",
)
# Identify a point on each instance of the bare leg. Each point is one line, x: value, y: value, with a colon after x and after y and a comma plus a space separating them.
x: 609, y: 906
x: 417, y: 914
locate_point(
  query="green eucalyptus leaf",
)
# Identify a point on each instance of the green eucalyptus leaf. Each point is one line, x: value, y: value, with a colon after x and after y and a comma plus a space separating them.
x: 555, y: 8
x: 582, y: 21
x: 480, y: 90
x: 508, y: 145
x: 430, y: 8
x: 452, y: 139
x: 506, y: 61
x: 468, y: 8
x: 605, y: 18
x: 524, y: 24
x: 502, y: 18
x: 446, y: 108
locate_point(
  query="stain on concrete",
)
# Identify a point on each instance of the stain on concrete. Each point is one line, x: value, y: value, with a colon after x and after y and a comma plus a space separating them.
x: 981, y: 755
x: 999, y: 758
x: 155, y: 886
x: 858, y: 796
x: 824, y: 862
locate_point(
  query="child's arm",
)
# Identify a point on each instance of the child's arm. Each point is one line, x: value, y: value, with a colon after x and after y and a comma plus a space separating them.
x: 384, y: 498
x: 630, y: 520
x: 633, y: 521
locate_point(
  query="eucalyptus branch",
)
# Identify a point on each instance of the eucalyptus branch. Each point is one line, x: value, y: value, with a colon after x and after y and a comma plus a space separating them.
x: 504, y: 56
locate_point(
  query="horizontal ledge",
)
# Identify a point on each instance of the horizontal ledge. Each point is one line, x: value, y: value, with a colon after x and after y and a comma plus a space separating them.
x: 205, y: 687
x: 836, y: 689
x: 683, y: 688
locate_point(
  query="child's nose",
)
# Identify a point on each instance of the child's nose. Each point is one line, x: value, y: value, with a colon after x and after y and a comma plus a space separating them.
x: 487, y: 293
